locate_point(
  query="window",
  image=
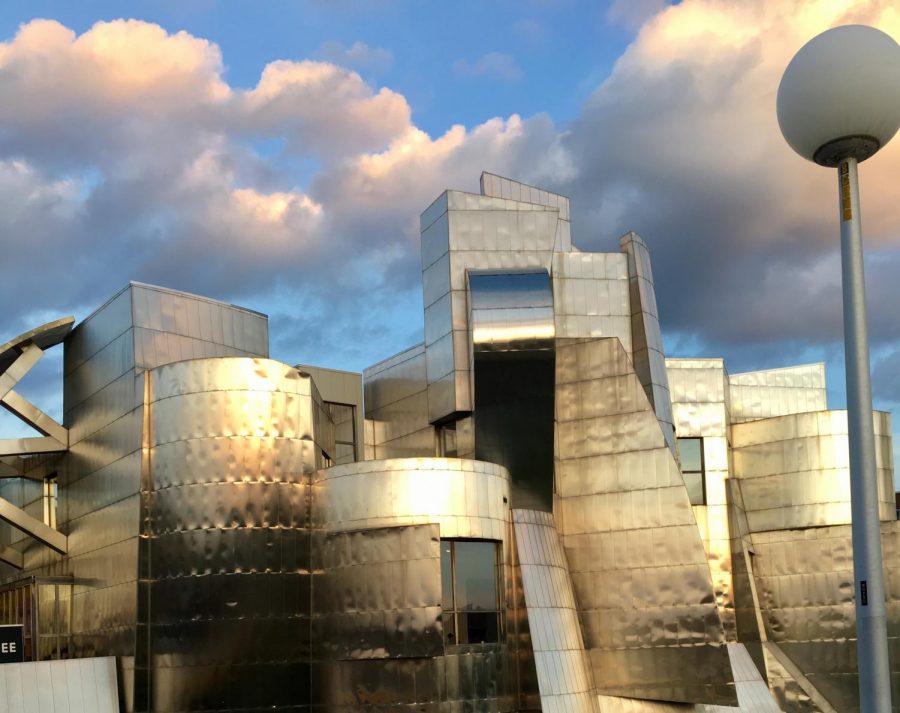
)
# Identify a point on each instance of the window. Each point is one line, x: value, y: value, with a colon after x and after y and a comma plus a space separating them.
x: 344, y: 418
x: 51, y: 500
x: 470, y: 592
x: 690, y: 453
x: 446, y: 440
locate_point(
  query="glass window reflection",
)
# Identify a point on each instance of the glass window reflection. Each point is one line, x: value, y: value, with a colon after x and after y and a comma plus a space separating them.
x: 476, y: 576
x: 469, y: 580
x: 690, y: 453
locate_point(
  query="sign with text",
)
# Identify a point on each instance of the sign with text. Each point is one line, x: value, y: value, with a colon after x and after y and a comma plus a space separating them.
x: 12, y: 644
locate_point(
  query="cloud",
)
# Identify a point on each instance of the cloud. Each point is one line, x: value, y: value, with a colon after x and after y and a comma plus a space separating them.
x: 496, y: 65
x: 319, y: 109
x: 681, y: 144
x: 359, y: 56
x: 125, y: 154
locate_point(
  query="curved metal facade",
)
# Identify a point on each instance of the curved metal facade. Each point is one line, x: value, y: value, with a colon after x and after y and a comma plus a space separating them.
x: 224, y: 606
x: 794, y: 470
x: 649, y: 535
x: 379, y: 524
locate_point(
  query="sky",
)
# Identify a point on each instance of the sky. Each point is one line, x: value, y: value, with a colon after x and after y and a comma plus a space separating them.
x: 277, y: 155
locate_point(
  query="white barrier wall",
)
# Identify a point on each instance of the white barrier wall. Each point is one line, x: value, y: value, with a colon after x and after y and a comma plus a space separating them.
x: 68, y: 686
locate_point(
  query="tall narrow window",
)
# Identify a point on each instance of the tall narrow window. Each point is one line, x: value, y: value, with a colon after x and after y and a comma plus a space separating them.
x: 470, y: 591
x: 51, y: 500
x: 690, y: 452
x: 446, y: 440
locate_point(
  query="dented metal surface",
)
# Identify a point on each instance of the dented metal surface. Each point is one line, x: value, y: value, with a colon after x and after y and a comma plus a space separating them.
x: 631, y: 538
x: 228, y: 546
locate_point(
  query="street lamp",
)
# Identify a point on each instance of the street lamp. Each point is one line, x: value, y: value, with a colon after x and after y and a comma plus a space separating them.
x: 838, y: 103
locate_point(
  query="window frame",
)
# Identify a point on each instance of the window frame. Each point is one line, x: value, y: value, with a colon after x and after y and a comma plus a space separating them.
x: 50, y: 499
x: 701, y: 472
x: 454, y: 611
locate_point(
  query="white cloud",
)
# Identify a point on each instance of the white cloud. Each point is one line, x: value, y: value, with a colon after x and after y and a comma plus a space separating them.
x: 683, y: 134
x: 125, y: 154
x: 320, y: 109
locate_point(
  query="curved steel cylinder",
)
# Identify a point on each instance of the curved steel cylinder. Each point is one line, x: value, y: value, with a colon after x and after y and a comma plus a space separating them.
x: 223, y: 614
x: 379, y: 608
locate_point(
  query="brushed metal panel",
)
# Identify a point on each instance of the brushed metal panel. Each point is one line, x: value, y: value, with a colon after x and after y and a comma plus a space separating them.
x: 476, y: 232
x: 352, y: 503
x: 102, y: 407
x: 777, y: 392
x: 467, y: 498
x: 98, y: 329
x: 794, y: 469
x: 394, y: 378
x: 500, y: 187
x: 631, y: 538
x: 437, y: 208
x: 231, y: 446
x: 647, y: 353
x: 591, y: 296
x: 805, y: 583
x: 700, y: 409
x: 380, y: 594
x: 104, y: 367
x: 562, y: 666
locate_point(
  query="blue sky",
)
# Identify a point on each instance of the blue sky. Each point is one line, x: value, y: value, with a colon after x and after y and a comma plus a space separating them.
x: 561, y: 50
x: 277, y: 155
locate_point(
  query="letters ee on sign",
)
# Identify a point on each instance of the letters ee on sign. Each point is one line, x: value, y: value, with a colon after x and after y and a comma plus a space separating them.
x: 12, y: 644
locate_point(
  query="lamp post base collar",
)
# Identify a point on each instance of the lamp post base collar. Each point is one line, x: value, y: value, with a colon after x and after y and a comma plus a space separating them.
x: 859, y: 147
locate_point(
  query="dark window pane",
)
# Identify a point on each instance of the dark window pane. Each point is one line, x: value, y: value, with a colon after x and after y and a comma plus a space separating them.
x: 690, y: 454
x: 480, y: 627
x: 476, y: 576
x: 446, y: 574
x: 694, y: 484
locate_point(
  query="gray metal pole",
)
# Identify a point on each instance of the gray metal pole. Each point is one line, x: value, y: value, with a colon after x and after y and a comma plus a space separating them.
x: 871, y: 619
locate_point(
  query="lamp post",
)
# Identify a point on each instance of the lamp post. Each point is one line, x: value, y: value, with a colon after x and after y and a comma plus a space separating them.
x: 838, y: 103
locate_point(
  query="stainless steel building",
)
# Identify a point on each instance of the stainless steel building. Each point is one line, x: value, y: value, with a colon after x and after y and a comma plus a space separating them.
x: 532, y: 510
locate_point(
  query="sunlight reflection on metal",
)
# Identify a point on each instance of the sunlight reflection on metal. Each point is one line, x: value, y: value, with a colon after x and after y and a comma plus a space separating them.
x: 233, y: 551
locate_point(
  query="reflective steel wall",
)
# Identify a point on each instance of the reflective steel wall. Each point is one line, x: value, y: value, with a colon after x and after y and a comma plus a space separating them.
x: 396, y: 403
x: 795, y: 472
x: 501, y: 187
x: 646, y: 337
x: 777, y: 392
x: 342, y: 397
x: 640, y: 574
x: 590, y: 296
x: 563, y: 669
x: 229, y: 568
x: 460, y: 232
x: 700, y: 407
x: 379, y: 524
x: 230, y: 446
x: 99, y: 478
x: 805, y: 583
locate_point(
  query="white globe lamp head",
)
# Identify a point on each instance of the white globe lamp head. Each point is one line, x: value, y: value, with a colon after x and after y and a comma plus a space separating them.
x: 840, y: 95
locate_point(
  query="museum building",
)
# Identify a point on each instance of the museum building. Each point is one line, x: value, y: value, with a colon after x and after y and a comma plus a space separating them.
x: 532, y: 510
